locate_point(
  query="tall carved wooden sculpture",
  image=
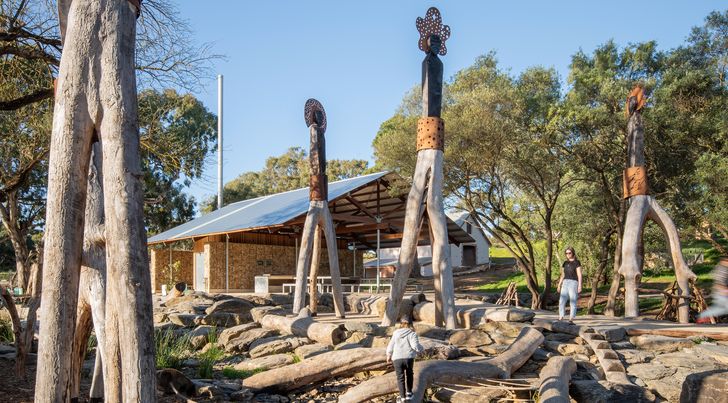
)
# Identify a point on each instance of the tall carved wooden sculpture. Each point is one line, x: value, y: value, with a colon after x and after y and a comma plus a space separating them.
x: 96, y: 97
x: 427, y: 183
x: 318, y: 216
x: 641, y: 207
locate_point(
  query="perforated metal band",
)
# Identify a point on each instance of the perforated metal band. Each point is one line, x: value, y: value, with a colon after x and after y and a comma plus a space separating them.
x: 634, y: 182
x: 430, y: 134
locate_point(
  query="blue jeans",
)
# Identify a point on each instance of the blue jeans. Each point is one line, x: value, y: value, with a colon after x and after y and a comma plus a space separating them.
x: 569, y: 289
x: 718, y: 308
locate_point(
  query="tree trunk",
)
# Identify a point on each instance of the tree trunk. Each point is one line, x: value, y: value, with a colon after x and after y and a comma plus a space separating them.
x: 325, y: 333
x: 603, y: 260
x: 10, y: 218
x: 609, y: 309
x: 546, y: 295
x: 456, y: 372
x: 554, y: 380
x: 20, y: 346
x: 327, y: 222
x: 97, y: 92
x: 317, y: 369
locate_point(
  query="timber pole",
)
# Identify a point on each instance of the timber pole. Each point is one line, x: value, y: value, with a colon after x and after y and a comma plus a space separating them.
x: 428, y: 176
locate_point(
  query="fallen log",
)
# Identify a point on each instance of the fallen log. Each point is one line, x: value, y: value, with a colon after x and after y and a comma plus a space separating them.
x: 305, y: 326
x: 457, y: 372
x: 554, y: 380
x: 720, y: 333
x: 317, y: 369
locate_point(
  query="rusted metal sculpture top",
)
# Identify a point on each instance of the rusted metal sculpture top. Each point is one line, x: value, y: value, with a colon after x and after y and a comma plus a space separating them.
x: 635, y: 100
x: 431, y: 28
x: 313, y: 113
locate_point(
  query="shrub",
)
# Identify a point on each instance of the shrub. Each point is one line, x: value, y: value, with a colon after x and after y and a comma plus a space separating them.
x: 209, y: 358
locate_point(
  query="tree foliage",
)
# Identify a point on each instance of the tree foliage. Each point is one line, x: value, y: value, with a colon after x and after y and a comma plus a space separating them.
x: 539, y: 162
x: 287, y: 171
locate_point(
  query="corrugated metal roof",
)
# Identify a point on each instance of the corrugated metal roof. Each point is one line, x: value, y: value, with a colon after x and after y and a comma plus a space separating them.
x: 260, y: 212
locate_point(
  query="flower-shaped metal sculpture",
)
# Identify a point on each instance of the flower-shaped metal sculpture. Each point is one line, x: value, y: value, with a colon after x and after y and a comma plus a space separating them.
x: 314, y: 112
x: 432, y: 25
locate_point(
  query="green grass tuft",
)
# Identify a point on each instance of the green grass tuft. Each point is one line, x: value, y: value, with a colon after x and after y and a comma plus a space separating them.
x: 232, y: 373
x: 170, y: 350
x: 208, y: 360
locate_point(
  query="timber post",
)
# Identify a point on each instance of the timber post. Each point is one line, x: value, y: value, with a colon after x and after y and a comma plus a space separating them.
x: 642, y: 206
x: 428, y: 176
x: 318, y: 216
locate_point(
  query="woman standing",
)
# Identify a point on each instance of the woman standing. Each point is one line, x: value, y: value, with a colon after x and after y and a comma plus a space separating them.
x: 402, y: 349
x: 569, y: 283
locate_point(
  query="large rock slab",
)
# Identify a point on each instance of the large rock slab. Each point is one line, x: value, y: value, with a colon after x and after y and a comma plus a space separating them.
x: 663, y: 344
x: 432, y: 332
x: 225, y: 319
x: 716, y: 351
x: 232, y: 305
x: 259, y: 312
x: 243, y: 341
x: 200, y: 336
x: 612, y: 333
x: 265, y: 363
x: 606, y: 392
x: 235, y: 331
x: 705, y: 387
x: 469, y: 338
x: 650, y: 372
x: 567, y: 348
x: 184, y: 319
x: 438, y: 350
x: 363, y: 327
x: 276, y: 345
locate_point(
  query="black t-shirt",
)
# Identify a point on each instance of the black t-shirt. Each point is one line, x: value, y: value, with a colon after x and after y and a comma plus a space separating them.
x: 569, y: 268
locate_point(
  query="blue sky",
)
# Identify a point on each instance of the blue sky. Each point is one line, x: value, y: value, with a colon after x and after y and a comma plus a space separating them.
x: 360, y: 58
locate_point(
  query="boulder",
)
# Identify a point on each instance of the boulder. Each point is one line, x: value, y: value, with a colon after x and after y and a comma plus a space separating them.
x: 469, y: 338
x: 243, y: 341
x: 560, y: 337
x: 363, y: 327
x: 636, y: 356
x: 265, y: 363
x: 717, y: 352
x: 184, y: 319
x: 378, y: 341
x: 225, y: 319
x: 663, y: 344
x: 432, y: 332
x: 259, y: 312
x: 612, y: 333
x: 235, y: 331
x: 311, y: 350
x: 163, y: 327
x: 607, y: 392
x: 232, y: 305
x: 200, y: 336
x: 650, y: 372
x: 508, y: 329
x: 257, y: 300
x: 567, y: 348
x: 159, y: 317
x: 276, y: 345
x: 704, y: 387
x: 436, y: 349
x: 243, y: 395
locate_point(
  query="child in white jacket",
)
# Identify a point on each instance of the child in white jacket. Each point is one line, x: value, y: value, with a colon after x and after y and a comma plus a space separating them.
x: 402, y: 349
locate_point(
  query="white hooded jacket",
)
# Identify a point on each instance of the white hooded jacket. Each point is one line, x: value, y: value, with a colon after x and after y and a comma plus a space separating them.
x: 404, y: 344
